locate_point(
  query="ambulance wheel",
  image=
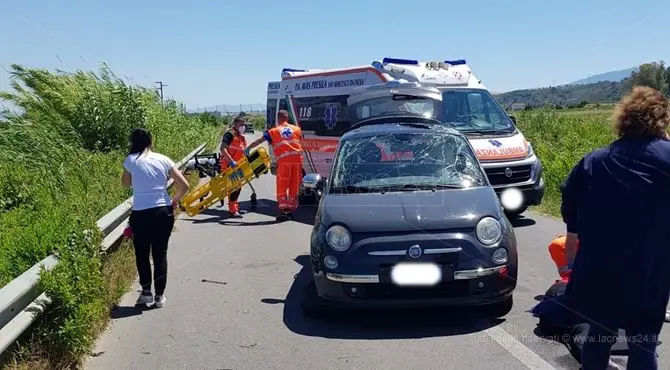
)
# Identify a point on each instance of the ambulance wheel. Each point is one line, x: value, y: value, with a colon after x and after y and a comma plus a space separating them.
x: 313, y: 305
x: 308, y: 199
x: 500, y: 309
x: 516, y: 213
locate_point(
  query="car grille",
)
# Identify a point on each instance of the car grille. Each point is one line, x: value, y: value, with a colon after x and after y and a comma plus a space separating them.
x: 497, y: 175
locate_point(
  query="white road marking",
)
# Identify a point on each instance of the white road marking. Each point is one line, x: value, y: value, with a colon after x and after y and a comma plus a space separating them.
x: 518, y: 349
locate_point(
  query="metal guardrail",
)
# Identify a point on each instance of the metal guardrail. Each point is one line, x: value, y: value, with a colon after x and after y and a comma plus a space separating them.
x: 21, y: 302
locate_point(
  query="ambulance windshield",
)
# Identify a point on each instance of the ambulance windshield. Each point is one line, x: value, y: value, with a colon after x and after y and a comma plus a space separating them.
x: 474, y: 111
x: 405, y: 162
x: 397, y: 104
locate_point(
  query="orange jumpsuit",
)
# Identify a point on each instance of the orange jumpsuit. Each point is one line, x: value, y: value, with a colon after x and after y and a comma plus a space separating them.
x: 558, y: 255
x: 285, y: 141
x: 235, y: 148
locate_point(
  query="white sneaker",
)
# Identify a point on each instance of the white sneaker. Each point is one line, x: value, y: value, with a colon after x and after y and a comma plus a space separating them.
x: 159, y: 301
x: 145, y: 298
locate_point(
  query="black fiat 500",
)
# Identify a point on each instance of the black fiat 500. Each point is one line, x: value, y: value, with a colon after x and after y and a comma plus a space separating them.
x: 408, y: 218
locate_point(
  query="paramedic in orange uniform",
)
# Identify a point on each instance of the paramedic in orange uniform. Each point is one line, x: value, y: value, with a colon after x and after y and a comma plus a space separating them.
x: 232, y: 151
x: 285, y: 141
x: 558, y: 250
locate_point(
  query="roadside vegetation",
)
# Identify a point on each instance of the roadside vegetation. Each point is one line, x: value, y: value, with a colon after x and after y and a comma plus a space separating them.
x: 560, y: 137
x: 61, y: 166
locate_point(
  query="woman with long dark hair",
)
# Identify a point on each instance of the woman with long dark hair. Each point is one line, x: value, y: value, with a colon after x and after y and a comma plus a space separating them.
x: 152, y: 216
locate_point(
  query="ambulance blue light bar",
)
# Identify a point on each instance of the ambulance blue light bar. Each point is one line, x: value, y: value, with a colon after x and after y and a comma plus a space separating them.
x: 292, y: 70
x: 457, y: 62
x: 400, y: 61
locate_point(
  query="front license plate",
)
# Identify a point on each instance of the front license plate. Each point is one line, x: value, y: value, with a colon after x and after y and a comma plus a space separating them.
x: 416, y: 274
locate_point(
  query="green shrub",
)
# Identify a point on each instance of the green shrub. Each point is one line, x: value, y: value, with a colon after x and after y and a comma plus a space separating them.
x: 63, y: 159
x: 560, y: 139
x: 258, y: 121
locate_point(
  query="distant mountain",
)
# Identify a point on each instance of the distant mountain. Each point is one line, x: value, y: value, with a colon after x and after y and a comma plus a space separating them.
x: 600, y: 88
x: 614, y: 76
x: 564, y: 96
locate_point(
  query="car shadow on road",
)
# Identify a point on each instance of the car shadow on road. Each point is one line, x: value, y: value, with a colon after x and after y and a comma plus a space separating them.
x: 521, y: 221
x: 415, y: 323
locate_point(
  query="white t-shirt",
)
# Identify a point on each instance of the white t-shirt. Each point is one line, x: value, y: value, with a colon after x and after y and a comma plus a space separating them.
x: 150, y: 173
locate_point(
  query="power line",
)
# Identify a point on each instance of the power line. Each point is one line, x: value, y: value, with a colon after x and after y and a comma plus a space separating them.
x: 160, y: 88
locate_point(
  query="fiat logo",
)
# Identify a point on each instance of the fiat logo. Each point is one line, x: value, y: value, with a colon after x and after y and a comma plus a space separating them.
x: 414, y: 251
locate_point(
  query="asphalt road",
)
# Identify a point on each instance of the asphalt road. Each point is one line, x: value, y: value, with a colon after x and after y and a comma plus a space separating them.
x: 233, y: 302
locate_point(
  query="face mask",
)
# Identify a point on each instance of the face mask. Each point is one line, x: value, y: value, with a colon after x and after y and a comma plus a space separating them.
x: 241, y: 129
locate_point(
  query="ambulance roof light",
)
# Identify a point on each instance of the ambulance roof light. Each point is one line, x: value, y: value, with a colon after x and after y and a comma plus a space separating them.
x: 293, y: 70
x: 457, y: 62
x: 400, y: 61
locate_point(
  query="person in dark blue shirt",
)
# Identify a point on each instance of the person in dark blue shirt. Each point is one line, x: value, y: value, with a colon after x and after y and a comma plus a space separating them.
x: 616, y: 201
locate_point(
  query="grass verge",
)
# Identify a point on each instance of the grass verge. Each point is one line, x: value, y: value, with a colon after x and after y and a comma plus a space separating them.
x: 560, y: 138
x: 62, y: 160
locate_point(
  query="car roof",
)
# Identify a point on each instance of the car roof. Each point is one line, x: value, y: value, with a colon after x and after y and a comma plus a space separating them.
x: 398, y: 124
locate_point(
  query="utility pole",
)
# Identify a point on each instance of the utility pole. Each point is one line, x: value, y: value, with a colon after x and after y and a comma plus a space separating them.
x: 160, y: 88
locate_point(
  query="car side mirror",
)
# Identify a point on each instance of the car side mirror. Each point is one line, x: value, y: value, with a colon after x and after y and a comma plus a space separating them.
x: 513, y: 118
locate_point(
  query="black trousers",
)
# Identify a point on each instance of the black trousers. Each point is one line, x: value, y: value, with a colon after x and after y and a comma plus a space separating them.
x: 152, y: 229
x: 234, y: 195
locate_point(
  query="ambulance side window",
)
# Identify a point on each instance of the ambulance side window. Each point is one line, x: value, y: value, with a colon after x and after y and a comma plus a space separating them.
x: 365, y: 112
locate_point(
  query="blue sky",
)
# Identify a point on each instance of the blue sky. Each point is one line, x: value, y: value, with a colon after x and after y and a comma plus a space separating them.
x: 225, y: 52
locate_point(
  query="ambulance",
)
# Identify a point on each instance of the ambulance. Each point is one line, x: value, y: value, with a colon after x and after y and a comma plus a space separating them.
x: 271, y: 115
x: 326, y: 102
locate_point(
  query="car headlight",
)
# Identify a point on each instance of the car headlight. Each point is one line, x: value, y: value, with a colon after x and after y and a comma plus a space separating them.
x: 338, y: 238
x: 530, y: 150
x: 489, y: 231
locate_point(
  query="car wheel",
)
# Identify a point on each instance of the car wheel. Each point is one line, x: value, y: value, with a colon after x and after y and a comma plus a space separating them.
x: 313, y: 305
x: 501, y: 309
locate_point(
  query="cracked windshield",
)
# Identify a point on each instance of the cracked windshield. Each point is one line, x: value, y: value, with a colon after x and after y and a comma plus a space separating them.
x: 396, y: 162
x: 377, y: 184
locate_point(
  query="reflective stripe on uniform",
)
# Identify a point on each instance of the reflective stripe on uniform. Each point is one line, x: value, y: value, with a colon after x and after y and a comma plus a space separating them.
x: 287, y: 154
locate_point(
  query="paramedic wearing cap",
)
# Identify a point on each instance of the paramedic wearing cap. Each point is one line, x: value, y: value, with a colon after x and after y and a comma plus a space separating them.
x: 232, y: 150
x: 285, y: 141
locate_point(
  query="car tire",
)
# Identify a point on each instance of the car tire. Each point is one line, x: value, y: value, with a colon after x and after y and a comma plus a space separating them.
x: 313, y: 305
x: 501, y: 309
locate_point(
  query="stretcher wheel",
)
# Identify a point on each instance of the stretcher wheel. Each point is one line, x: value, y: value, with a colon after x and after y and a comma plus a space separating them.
x: 254, y: 200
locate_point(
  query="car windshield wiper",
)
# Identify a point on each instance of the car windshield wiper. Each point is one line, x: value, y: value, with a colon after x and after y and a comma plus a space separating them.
x: 484, y: 132
x: 410, y: 187
x: 351, y: 189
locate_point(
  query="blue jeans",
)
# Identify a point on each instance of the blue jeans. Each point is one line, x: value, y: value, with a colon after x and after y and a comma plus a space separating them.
x: 641, y: 349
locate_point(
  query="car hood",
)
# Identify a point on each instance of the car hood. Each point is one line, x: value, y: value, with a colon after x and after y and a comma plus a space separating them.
x: 410, y: 211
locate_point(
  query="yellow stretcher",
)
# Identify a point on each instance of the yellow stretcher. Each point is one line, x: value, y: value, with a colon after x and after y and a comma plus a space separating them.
x: 221, y: 184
